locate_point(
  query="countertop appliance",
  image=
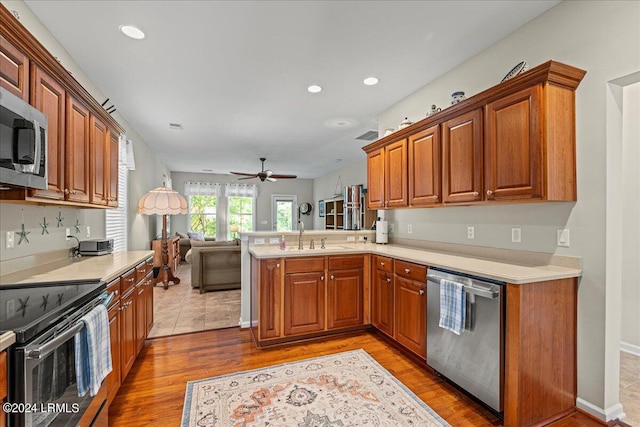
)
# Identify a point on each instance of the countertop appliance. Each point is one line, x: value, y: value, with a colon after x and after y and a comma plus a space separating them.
x: 23, y: 143
x: 382, y: 232
x: 96, y: 247
x: 45, y: 318
x: 474, y: 360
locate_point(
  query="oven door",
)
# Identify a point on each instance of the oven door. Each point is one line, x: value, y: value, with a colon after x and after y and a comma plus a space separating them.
x: 48, y: 386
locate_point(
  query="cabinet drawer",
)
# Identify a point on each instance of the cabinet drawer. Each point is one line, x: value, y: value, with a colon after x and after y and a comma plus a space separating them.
x: 128, y: 279
x: 383, y: 264
x: 411, y: 271
x: 304, y: 265
x: 141, y: 271
x: 114, y: 287
x: 345, y: 262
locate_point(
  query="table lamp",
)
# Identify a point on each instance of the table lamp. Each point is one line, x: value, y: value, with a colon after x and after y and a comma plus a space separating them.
x: 163, y: 201
x: 234, y: 228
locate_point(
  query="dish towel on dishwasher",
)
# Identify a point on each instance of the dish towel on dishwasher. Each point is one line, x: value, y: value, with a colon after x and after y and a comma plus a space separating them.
x: 93, y: 351
x: 452, y: 306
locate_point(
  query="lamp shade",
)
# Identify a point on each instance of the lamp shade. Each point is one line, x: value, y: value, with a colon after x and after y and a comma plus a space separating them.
x: 162, y: 201
x: 234, y: 228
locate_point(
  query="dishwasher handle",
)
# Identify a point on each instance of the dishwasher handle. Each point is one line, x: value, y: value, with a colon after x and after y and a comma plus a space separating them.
x: 481, y: 292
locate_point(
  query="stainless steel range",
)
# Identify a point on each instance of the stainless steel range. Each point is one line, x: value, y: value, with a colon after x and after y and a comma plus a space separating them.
x: 41, y: 364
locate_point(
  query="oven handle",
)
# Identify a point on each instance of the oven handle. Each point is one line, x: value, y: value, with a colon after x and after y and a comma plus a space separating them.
x: 49, y: 346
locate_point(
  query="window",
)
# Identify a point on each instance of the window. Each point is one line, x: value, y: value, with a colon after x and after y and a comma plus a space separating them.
x: 240, y: 214
x: 203, y: 214
x: 284, y: 212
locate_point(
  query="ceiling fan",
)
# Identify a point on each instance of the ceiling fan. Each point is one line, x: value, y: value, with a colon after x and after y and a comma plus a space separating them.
x: 264, y: 175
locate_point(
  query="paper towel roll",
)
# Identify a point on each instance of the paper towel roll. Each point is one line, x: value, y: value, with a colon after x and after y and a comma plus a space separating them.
x: 382, y: 232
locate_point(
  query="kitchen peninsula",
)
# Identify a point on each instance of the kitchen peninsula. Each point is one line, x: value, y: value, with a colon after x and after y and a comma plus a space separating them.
x: 349, y: 286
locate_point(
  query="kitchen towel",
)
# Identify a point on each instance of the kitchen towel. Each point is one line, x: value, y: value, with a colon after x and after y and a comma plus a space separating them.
x: 452, y: 306
x: 93, y: 351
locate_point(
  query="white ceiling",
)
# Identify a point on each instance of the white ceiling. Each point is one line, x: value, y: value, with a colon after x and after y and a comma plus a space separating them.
x: 235, y: 73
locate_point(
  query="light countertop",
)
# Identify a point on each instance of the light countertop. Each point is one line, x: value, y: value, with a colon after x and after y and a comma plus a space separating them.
x: 510, y: 272
x: 105, y: 267
x: 6, y: 340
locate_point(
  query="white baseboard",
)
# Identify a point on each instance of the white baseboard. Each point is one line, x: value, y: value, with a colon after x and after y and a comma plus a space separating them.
x: 608, y: 414
x: 245, y: 325
x: 630, y: 348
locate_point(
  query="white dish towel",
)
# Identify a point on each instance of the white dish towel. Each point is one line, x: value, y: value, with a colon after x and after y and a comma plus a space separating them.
x: 93, y: 351
x: 452, y: 306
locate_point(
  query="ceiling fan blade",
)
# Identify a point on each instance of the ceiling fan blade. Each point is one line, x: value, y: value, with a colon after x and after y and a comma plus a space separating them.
x: 247, y: 177
x: 245, y: 174
x: 283, y: 176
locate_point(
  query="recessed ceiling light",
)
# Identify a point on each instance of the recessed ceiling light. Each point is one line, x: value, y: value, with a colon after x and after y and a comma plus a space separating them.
x: 207, y: 170
x: 131, y: 31
x: 370, y: 81
x: 175, y: 126
x: 314, y: 88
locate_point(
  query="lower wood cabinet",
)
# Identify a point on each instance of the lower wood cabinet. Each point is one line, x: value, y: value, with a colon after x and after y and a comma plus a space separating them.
x: 411, y: 315
x: 114, y: 378
x: 304, y: 295
x: 345, y: 292
x: 382, y: 295
x: 127, y: 333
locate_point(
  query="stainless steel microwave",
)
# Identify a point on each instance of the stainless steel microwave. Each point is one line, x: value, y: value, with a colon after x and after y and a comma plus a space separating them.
x: 23, y: 143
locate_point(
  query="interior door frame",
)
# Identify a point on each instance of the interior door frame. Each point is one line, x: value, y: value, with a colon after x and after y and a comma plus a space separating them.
x: 294, y: 209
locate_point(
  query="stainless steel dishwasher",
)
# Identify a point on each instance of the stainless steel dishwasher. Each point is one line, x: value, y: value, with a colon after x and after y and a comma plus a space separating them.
x: 474, y: 360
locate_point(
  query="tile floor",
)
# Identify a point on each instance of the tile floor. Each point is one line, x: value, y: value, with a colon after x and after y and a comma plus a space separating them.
x: 182, y: 309
x: 630, y: 387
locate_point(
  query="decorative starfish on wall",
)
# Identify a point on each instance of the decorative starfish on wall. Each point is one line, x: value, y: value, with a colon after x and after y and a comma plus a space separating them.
x: 60, y: 218
x: 45, y: 301
x: 23, y: 235
x: 44, y: 225
x: 77, y: 226
x: 23, y: 305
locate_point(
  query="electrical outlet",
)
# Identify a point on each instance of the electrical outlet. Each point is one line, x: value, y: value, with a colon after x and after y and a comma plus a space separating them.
x: 11, y: 308
x: 471, y: 232
x: 409, y: 228
x: 516, y: 235
x: 351, y: 238
x: 564, y: 238
x: 88, y: 231
x: 11, y: 239
x: 68, y: 231
x: 259, y: 241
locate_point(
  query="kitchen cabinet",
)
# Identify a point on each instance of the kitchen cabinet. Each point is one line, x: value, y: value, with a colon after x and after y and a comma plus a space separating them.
x: 382, y: 310
x: 410, y: 300
x: 127, y: 333
x: 304, y: 295
x: 113, y: 380
x: 334, y: 214
x: 462, y: 160
x: 48, y: 96
x: 269, y: 299
x: 149, y: 318
x: 78, y: 130
x: 375, y: 178
x: 514, y: 142
x: 424, y: 167
x: 345, y: 291
x: 144, y: 277
x: 14, y: 69
x: 113, y: 171
x: 98, y: 161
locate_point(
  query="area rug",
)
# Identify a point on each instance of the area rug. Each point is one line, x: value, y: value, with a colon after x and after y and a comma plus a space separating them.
x: 347, y: 389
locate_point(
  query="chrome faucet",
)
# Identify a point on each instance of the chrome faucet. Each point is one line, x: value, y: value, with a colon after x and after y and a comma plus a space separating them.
x: 75, y: 251
x: 301, y: 228
x: 322, y: 242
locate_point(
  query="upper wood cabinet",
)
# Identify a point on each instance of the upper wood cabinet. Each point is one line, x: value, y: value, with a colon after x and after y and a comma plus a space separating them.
x: 424, y: 167
x: 77, y: 151
x: 512, y: 142
x: 99, y: 141
x: 112, y: 182
x: 462, y: 158
x: 395, y: 174
x: 14, y: 69
x: 375, y: 178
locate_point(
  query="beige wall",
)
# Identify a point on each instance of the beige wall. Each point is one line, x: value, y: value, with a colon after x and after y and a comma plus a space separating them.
x: 148, y: 174
x: 302, y: 188
x: 603, y: 38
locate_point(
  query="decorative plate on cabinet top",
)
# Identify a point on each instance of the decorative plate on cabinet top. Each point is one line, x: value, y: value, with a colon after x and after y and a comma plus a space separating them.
x: 520, y: 68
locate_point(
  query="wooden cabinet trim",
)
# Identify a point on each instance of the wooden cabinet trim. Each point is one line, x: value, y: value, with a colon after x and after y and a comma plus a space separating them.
x: 303, y: 265
x: 410, y: 270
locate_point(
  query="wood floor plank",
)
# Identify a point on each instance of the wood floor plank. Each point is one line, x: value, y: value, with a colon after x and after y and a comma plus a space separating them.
x: 153, y: 392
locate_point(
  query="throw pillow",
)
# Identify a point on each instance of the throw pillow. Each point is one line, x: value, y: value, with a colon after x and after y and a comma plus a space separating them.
x: 196, y: 235
x: 182, y: 235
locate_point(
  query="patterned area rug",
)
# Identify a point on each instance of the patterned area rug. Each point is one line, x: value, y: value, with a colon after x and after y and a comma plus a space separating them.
x: 347, y: 389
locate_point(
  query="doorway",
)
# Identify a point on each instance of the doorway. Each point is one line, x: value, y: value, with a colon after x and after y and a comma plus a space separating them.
x: 284, y: 212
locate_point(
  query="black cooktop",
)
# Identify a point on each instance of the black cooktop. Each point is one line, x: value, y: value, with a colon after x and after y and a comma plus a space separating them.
x: 29, y: 309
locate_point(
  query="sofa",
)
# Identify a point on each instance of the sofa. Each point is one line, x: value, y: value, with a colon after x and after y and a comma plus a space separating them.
x: 215, y: 266
x: 185, y: 244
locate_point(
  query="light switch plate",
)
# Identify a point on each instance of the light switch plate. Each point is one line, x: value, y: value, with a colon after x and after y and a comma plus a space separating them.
x: 471, y: 233
x: 68, y: 233
x: 10, y: 239
x: 564, y: 238
x: 409, y: 228
x: 88, y: 231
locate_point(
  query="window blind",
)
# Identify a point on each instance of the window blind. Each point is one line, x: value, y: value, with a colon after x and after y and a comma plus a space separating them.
x: 116, y: 219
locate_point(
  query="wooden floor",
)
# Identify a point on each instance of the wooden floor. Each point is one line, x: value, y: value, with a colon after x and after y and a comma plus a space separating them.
x: 153, y: 392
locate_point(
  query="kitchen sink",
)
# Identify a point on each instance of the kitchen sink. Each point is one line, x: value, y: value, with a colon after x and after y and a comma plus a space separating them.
x: 318, y: 248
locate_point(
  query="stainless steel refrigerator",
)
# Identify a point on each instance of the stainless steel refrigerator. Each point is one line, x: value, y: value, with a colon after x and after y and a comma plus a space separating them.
x: 352, y: 207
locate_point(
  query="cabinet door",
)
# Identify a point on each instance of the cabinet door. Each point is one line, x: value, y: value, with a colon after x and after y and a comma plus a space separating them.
x: 395, y: 173
x: 98, y: 162
x: 127, y: 334
x: 382, y: 303
x: 375, y: 179
x: 49, y: 97
x: 345, y: 298
x: 77, y: 152
x: 513, y: 146
x: 269, y: 299
x: 411, y: 315
x: 424, y: 167
x: 112, y: 183
x: 140, y: 315
x: 113, y: 380
x: 462, y: 158
x: 14, y: 70
x: 304, y: 301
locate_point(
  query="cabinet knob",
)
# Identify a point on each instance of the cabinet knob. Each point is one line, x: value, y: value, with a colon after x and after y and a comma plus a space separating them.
x: 435, y: 197
x: 116, y: 292
x: 406, y: 270
x: 489, y: 192
x: 332, y: 277
x: 475, y: 193
x: 66, y: 191
x: 421, y: 291
x: 278, y: 265
x: 322, y: 277
x: 388, y: 279
x: 382, y: 263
